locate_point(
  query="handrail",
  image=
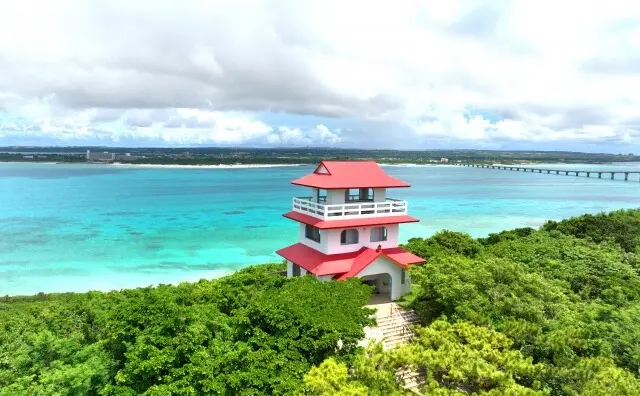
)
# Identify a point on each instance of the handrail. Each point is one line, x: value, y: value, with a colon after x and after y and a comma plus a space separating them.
x: 388, y: 207
x: 396, y: 314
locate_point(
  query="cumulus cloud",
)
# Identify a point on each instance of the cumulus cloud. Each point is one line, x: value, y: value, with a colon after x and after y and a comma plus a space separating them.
x: 318, y: 135
x: 207, y: 72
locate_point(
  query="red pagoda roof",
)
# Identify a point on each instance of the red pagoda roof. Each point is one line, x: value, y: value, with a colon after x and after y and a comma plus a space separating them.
x: 349, y: 174
x: 360, y: 222
x: 344, y: 265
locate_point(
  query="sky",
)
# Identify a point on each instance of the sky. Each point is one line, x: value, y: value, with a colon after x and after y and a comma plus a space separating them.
x: 548, y: 75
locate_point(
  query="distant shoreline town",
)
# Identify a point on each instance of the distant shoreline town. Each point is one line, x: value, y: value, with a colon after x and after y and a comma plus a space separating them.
x: 255, y: 157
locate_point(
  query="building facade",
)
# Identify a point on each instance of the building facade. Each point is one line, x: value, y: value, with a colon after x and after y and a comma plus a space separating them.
x: 349, y: 227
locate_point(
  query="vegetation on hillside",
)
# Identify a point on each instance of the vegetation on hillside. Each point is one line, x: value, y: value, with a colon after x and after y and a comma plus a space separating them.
x: 554, y: 311
x: 550, y: 311
x: 251, y: 333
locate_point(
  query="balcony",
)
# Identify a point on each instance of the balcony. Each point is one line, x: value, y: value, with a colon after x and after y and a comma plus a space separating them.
x: 349, y: 210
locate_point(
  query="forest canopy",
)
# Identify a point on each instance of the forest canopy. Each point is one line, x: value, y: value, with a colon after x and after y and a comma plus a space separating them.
x: 251, y: 333
x: 523, y: 312
x: 554, y: 311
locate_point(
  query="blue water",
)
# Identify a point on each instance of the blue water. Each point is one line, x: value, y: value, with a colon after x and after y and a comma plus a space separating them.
x: 70, y: 227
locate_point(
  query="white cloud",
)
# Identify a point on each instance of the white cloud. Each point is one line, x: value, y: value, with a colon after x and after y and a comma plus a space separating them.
x: 318, y: 135
x: 204, y: 71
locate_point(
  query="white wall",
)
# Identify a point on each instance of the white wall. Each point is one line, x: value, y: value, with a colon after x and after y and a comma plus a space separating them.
x: 382, y: 265
x: 322, y: 246
x: 335, y: 197
x: 379, y: 194
x: 290, y: 270
x: 331, y: 242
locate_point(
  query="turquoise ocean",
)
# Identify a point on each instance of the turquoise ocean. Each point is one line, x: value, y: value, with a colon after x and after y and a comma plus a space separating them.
x: 70, y: 227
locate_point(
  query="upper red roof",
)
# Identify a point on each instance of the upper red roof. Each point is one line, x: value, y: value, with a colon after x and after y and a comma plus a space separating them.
x: 362, y: 222
x: 349, y: 174
x: 344, y: 265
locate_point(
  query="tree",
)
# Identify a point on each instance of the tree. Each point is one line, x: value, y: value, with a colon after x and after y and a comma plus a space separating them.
x: 599, y: 377
x: 253, y: 332
x: 620, y: 226
x: 456, y: 359
x: 445, y: 242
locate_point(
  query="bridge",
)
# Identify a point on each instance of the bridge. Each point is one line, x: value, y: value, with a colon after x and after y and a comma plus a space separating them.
x: 563, y: 172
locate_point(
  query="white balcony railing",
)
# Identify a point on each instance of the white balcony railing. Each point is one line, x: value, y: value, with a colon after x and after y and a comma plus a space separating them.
x: 349, y: 210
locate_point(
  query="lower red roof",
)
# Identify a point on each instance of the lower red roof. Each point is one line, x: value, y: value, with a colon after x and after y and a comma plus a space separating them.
x: 344, y: 265
x: 363, y: 222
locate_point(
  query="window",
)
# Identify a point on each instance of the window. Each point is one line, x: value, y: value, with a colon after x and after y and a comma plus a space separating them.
x: 378, y: 234
x: 322, y: 195
x: 296, y: 270
x: 358, y: 195
x: 349, y: 237
x: 312, y: 233
x: 403, y: 277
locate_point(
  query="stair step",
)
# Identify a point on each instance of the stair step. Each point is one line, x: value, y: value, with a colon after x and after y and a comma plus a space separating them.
x: 396, y: 323
x: 396, y: 335
x: 404, y: 318
x: 410, y: 378
x: 400, y: 330
x: 401, y: 317
x: 405, y: 314
x: 396, y: 341
x: 395, y: 326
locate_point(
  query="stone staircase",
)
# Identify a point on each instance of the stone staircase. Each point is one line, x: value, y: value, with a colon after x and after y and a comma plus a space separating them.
x: 410, y: 379
x: 393, y: 330
x: 395, y: 327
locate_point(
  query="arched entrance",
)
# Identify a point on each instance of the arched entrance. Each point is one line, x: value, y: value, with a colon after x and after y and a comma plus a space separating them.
x: 381, y: 288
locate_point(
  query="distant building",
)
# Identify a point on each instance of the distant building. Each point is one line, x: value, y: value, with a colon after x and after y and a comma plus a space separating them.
x: 110, y: 157
x: 27, y: 156
x: 126, y: 157
x: 444, y: 160
x: 100, y: 157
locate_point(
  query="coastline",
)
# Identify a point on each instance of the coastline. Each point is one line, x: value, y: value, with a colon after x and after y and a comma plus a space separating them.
x: 220, y: 166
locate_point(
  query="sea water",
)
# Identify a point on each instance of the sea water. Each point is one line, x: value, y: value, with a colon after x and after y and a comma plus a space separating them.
x: 71, y: 227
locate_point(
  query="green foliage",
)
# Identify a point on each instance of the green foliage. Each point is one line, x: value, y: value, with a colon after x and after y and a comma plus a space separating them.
x: 445, y: 243
x: 567, y: 296
x: 454, y: 359
x: 251, y: 333
x: 506, y: 235
x: 371, y: 373
x: 621, y: 226
x: 331, y: 378
x: 462, y: 358
x: 599, y: 377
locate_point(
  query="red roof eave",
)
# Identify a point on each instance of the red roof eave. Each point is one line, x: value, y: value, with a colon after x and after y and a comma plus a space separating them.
x: 396, y: 255
x: 349, y: 174
x: 317, y: 262
x: 344, y: 265
x: 328, y: 186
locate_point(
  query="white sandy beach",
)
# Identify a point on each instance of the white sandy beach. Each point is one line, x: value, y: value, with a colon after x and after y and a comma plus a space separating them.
x: 221, y: 166
x: 415, y: 165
